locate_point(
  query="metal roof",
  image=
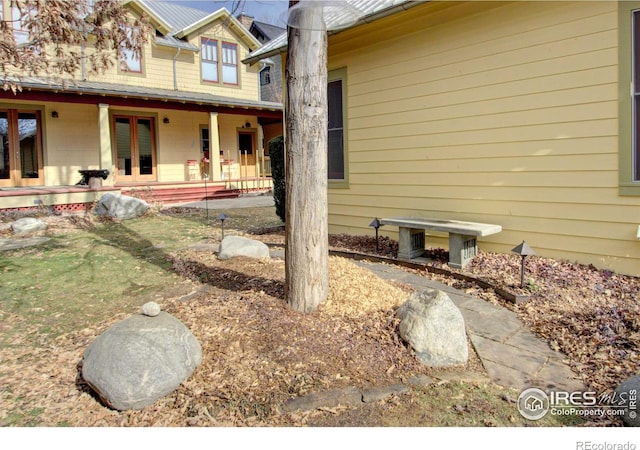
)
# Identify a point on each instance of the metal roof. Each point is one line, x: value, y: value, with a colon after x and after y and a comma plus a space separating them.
x: 369, y: 10
x: 143, y: 93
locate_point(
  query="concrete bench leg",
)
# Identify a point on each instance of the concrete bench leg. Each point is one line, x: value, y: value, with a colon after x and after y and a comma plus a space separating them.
x: 411, y: 243
x: 461, y: 249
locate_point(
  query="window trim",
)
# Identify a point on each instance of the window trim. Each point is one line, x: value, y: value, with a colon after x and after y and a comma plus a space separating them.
x: 626, y: 131
x: 236, y: 65
x: 335, y: 75
x: 126, y: 55
x: 214, y: 43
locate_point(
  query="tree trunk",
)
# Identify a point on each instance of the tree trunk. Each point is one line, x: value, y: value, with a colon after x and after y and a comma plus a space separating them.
x: 306, y: 244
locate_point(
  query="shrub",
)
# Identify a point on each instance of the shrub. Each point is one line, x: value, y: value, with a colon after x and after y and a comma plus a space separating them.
x: 276, y: 152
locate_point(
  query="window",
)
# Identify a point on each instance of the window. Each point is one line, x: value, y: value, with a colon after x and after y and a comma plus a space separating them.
x: 212, y: 71
x: 629, y: 105
x: 229, y: 63
x: 336, y: 137
x: 265, y: 76
x: 129, y: 62
x: 19, y: 31
x: 209, y: 58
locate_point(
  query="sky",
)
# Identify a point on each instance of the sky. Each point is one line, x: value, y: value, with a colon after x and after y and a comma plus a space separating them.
x: 269, y: 11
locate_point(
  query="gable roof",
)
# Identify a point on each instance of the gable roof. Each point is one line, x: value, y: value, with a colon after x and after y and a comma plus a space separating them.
x: 175, y: 22
x: 267, y: 30
x: 368, y: 11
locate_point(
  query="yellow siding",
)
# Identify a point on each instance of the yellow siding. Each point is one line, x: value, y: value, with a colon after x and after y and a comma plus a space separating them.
x: 178, y: 142
x: 64, y: 156
x: 158, y: 69
x: 503, y: 113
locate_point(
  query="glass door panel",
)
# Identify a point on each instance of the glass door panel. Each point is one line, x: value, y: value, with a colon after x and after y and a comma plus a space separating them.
x: 135, y: 148
x: 28, y: 146
x: 123, y: 146
x: 20, y: 148
x: 145, y: 147
x: 5, y: 161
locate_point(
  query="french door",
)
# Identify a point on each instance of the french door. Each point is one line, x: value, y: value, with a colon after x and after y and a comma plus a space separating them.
x: 135, y: 147
x: 20, y: 148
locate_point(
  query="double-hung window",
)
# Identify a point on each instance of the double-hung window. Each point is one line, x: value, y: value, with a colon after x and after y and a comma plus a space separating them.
x: 20, y: 33
x: 336, y: 137
x: 129, y: 61
x: 209, y: 58
x: 629, y: 112
x: 219, y: 61
x: 229, y: 63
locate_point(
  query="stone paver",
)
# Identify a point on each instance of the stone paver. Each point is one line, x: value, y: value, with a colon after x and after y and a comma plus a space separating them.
x: 511, y: 354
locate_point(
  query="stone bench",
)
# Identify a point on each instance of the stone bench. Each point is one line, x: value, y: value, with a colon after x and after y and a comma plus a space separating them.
x: 463, y: 245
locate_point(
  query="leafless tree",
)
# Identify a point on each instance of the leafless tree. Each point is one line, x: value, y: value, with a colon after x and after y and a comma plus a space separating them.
x: 55, y: 38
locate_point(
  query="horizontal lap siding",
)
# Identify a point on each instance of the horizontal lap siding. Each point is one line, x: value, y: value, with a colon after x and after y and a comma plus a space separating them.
x: 493, y: 112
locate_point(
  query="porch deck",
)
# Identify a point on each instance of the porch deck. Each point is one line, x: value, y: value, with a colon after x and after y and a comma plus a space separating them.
x: 76, y: 198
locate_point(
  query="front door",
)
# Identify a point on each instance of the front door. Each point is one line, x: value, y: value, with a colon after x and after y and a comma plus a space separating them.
x: 247, y: 154
x: 20, y: 148
x: 135, y: 148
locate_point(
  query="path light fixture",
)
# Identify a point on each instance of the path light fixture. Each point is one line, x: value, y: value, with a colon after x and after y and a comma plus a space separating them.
x: 523, y: 250
x: 222, y: 217
x: 376, y: 224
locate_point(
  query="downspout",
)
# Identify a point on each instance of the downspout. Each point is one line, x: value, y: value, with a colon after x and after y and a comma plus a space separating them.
x: 83, y: 68
x: 175, y: 77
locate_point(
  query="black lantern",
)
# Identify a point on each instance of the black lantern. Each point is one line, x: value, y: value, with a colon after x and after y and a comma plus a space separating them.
x: 523, y: 250
x: 376, y: 224
x: 222, y: 217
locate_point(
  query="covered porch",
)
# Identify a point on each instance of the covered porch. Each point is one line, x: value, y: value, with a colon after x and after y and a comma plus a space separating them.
x: 171, y: 146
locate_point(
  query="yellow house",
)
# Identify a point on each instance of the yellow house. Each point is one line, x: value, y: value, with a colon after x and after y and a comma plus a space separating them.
x: 523, y: 114
x: 185, y: 113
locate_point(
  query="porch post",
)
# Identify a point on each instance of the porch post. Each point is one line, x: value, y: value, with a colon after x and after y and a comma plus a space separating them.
x: 214, y: 148
x: 260, y: 151
x: 106, y: 155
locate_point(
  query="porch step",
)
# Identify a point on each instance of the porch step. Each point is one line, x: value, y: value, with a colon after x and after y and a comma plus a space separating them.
x: 173, y: 195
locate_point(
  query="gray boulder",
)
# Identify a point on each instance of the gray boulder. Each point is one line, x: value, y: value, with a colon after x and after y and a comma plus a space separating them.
x: 627, y: 392
x: 434, y: 327
x: 121, y: 207
x: 140, y: 360
x: 28, y: 225
x: 232, y: 246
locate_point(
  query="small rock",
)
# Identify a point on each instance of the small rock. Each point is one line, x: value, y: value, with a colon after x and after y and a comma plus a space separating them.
x: 120, y: 207
x: 28, y: 225
x: 150, y: 309
x: 232, y: 246
x: 434, y: 327
x: 140, y: 360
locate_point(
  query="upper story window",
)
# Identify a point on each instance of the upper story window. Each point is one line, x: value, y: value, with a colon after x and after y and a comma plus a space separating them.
x: 129, y: 61
x: 229, y: 63
x: 212, y: 70
x: 209, y: 58
x: 17, y: 18
x: 265, y: 76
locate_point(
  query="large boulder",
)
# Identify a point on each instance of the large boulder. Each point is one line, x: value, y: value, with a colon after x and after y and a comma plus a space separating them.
x: 627, y: 394
x: 233, y: 246
x: 28, y: 225
x: 121, y: 207
x: 434, y: 327
x: 140, y: 360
